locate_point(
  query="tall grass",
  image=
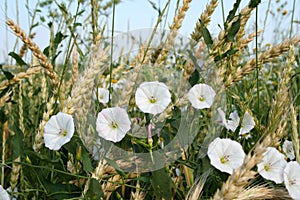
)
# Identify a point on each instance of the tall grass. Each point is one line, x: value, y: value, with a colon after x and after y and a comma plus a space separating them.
x: 260, y: 78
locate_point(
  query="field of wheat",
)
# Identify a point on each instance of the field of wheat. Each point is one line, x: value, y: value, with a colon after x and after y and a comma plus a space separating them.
x: 151, y: 114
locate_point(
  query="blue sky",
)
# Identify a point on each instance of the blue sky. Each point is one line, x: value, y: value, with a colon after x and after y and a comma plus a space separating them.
x: 139, y: 14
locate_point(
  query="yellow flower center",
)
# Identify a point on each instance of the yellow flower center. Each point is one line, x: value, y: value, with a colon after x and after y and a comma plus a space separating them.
x: 224, y: 159
x: 152, y: 100
x: 201, y: 98
x: 114, y: 81
x: 266, y: 167
x: 114, y: 125
x: 64, y: 132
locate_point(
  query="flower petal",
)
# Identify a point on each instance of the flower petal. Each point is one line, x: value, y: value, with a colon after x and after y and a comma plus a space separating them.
x: 204, y: 92
x: 272, y: 165
x: 157, y: 91
x: 52, y: 127
x: 3, y: 194
x: 221, y: 117
x: 225, y: 154
x: 113, y: 124
x: 292, y: 179
x: 234, y: 121
x: 288, y: 149
x: 247, y: 124
x: 55, y: 129
x: 103, y: 95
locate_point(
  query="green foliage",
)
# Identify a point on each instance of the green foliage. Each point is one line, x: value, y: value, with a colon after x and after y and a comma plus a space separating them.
x: 206, y: 35
x: 69, y: 173
x: 231, y: 14
x: 18, y: 59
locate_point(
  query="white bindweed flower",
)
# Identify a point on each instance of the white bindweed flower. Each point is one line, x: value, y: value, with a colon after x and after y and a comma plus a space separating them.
x: 225, y: 154
x: 113, y: 124
x: 288, y: 149
x: 120, y: 84
x: 102, y: 95
x: 58, y: 130
x: 233, y: 121
x: 291, y: 176
x: 201, y: 96
x: 272, y: 165
x: 3, y: 194
x: 152, y: 97
x: 247, y: 124
x: 230, y: 124
x: 221, y: 118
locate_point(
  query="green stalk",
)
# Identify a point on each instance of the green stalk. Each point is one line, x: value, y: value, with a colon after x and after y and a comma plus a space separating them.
x: 256, y: 57
x: 111, y: 50
x: 292, y: 18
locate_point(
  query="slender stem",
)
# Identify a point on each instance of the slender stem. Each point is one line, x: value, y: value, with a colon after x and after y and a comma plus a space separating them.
x: 265, y: 21
x: 155, y: 28
x: 256, y: 56
x: 223, y: 13
x: 292, y: 18
x: 111, y: 49
x: 93, y: 21
x: 3, y: 151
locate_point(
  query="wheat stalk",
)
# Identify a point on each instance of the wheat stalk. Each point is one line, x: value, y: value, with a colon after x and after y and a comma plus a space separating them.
x: 205, y: 19
x: 35, y: 50
x: 236, y: 183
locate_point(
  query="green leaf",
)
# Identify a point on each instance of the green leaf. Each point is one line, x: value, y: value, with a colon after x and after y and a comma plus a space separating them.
x: 232, y: 13
x: 59, y: 37
x: 7, y: 74
x: 17, y: 142
x: 254, y: 3
x: 3, y: 117
x: 46, y: 51
x: 61, y: 191
x: 224, y: 55
x: 162, y: 184
x: 34, y: 25
x: 94, y: 191
x: 206, y: 35
x: 234, y: 29
x: 194, y: 78
x: 18, y: 59
x: 86, y: 161
x: 4, y: 91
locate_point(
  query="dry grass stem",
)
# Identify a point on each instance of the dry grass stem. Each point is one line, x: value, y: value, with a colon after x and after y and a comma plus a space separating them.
x: 295, y: 133
x: 39, y: 137
x: 205, y: 18
x: 82, y: 93
x: 15, y: 173
x: 20, y: 76
x: 24, y: 47
x: 20, y: 103
x: 75, y: 66
x: 238, y: 181
x: 263, y: 192
x: 35, y: 49
x: 5, y: 98
x: 141, y: 59
x: 267, y: 56
x: 176, y: 25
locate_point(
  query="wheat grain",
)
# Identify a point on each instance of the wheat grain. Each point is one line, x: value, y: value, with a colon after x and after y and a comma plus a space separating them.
x: 35, y: 49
